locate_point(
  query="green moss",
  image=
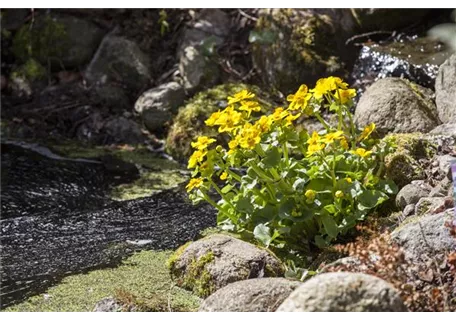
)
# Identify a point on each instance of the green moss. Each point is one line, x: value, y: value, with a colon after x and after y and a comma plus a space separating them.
x: 171, y: 262
x: 198, y: 278
x: 144, y: 275
x: 31, y: 70
x: 44, y: 40
x: 189, y: 122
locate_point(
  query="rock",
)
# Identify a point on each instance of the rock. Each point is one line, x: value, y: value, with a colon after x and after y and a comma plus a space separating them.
x: 58, y: 39
x: 442, y: 188
x: 13, y: 19
x: 411, y: 194
x: 122, y: 130
x: 295, y: 46
x: 409, y: 210
x: 158, y: 105
x: 423, y: 237
x: 209, y: 23
x: 108, y: 304
x: 119, y: 60
x: 196, y: 64
x: 445, y: 164
x: 113, y: 97
x: 397, y: 105
x: 344, y: 292
x: 213, y: 262
x: 252, y: 295
x: 416, y: 59
x: 387, y: 19
x: 448, y: 129
x: 430, y: 205
x: 198, y: 70
x: 403, y: 169
x: 189, y: 122
x: 445, y: 91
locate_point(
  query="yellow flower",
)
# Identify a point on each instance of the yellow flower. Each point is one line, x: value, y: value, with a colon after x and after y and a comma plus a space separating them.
x: 250, y: 106
x: 290, y: 118
x: 344, y: 143
x: 346, y: 95
x: 228, y: 120
x: 366, y: 132
x: 249, y: 137
x: 339, y: 194
x: 213, y: 118
x: 194, y: 183
x: 348, y: 179
x: 202, y: 142
x: 299, y: 99
x: 264, y: 124
x: 240, y: 96
x: 310, y: 195
x: 326, y: 85
x: 224, y: 175
x: 362, y: 152
x: 330, y: 137
x: 195, y: 158
x: 314, y: 139
x: 315, y: 148
x: 279, y: 114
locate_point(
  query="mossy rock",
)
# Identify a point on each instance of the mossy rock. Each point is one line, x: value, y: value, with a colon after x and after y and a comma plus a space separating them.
x: 402, y: 166
x: 211, y: 263
x: 31, y: 70
x: 189, y: 122
x: 291, y: 47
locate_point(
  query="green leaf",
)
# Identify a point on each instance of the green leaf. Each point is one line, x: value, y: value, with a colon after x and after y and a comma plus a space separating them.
x: 244, y: 204
x: 331, y: 208
x: 330, y: 225
x: 369, y: 199
x: 321, y: 242
x: 272, y: 158
x: 262, y: 233
x: 227, y: 188
x: 387, y: 186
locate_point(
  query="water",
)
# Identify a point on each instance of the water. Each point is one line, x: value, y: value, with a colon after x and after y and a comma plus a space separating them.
x: 57, y: 219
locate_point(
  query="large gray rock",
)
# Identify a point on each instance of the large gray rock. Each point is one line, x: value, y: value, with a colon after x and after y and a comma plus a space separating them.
x: 123, y: 130
x: 430, y: 205
x: 119, y: 60
x: 411, y: 194
x: 344, y: 292
x: 211, y: 263
x: 197, y: 66
x: 397, y: 105
x: 445, y: 162
x: 158, y: 105
x: 423, y: 237
x: 445, y: 91
x: 59, y: 39
x: 198, y: 69
x: 253, y: 295
x: 446, y: 129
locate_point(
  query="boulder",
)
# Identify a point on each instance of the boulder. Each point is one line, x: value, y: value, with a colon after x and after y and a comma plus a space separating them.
x: 445, y: 164
x: 411, y: 194
x: 344, y: 292
x: 158, y: 105
x: 447, y: 129
x: 198, y: 70
x: 431, y: 205
x: 119, y: 60
x: 113, y: 97
x: 397, y: 105
x: 445, y: 91
x: 423, y: 237
x: 213, y: 262
x: 123, y: 130
x: 442, y: 188
x: 252, y: 295
x: 108, y: 304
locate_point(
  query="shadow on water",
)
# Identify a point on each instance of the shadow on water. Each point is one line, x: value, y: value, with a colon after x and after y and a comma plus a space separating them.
x: 57, y: 219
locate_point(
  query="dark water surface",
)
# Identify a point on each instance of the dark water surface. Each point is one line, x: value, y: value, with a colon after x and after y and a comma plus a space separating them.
x: 57, y: 219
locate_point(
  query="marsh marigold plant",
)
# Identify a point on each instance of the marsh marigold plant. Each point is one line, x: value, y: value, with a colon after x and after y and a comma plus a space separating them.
x: 290, y: 187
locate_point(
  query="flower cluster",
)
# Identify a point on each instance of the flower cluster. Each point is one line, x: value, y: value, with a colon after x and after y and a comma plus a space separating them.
x: 285, y: 186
